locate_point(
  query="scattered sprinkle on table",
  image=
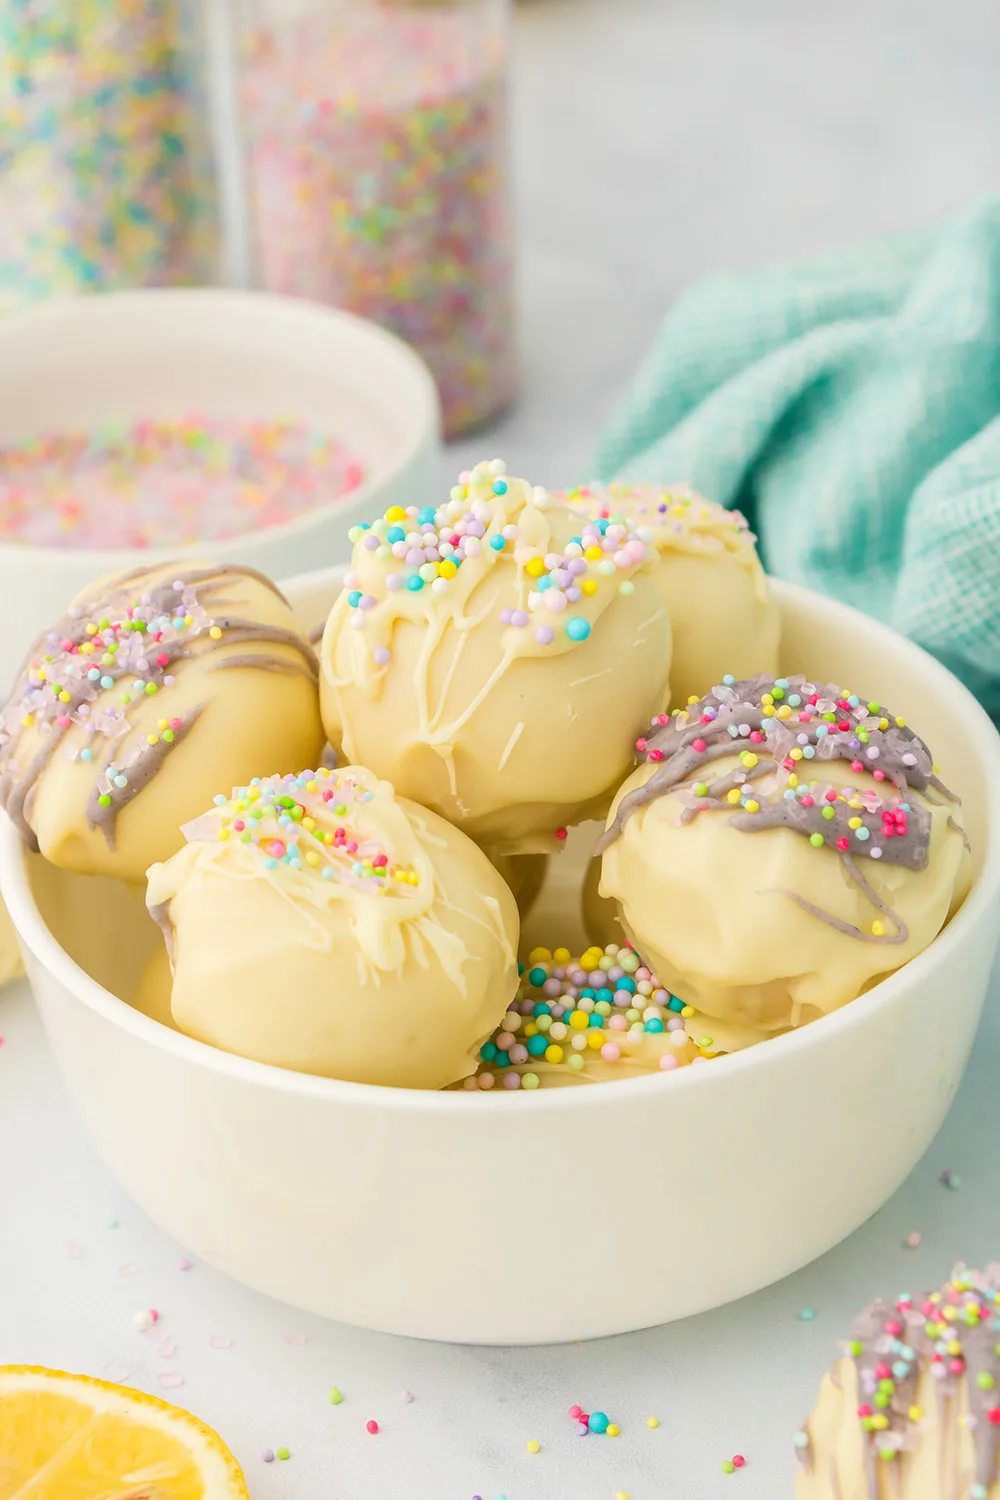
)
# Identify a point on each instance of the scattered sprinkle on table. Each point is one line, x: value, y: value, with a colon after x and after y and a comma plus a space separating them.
x: 652, y: 1421
x: 336, y: 1395
x: 283, y: 1453
x: 406, y: 1397
x: 807, y: 1315
x: 371, y: 1426
x: 268, y: 1455
x: 167, y: 482
x: 951, y: 1179
x: 913, y: 1240
x: 534, y: 1446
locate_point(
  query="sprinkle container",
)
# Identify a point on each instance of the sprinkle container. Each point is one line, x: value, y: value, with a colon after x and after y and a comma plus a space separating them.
x: 405, y: 1210
x: 106, y: 175
x: 339, y: 401
x: 375, y: 164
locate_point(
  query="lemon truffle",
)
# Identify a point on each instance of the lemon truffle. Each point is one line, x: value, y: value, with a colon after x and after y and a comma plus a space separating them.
x: 477, y: 649
x: 723, y: 615
x: 156, y: 688
x: 912, y: 1407
x: 321, y: 923
x: 782, y: 847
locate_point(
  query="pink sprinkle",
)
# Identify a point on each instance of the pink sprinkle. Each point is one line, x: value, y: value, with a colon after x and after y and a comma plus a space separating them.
x: 184, y: 1264
x: 371, y: 1426
x: 167, y: 1349
x: 738, y: 1461
x: 668, y: 1062
x: 63, y: 720
x: 576, y: 1411
x: 913, y: 1240
x: 170, y: 1379
x: 162, y: 659
x: 610, y: 1052
x: 698, y: 745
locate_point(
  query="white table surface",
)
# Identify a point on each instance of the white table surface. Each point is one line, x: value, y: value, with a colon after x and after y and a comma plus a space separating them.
x: 655, y: 140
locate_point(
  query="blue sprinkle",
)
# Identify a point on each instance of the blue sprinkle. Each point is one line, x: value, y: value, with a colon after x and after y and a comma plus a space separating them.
x: 577, y: 629
x: 598, y: 1422
x: 596, y: 1020
x: 107, y: 682
x: 654, y: 1024
x: 86, y: 754
x: 327, y: 873
x: 488, y: 1051
x: 544, y: 583
x: 587, y: 993
x: 427, y: 514
x: 675, y: 1003
x: 498, y: 542
x: 627, y: 983
x: 220, y: 800
x: 729, y: 679
x: 502, y: 1060
x: 537, y: 976
x: 354, y: 598
x: 395, y: 534
x: 499, y: 486
x: 537, y: 1045
x: 415, y: 584
x: 605, y: 994
x: 541, y: 1009
x: 270, y: 863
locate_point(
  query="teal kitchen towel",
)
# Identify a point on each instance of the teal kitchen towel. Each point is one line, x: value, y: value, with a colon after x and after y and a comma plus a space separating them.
x: 851, y: 409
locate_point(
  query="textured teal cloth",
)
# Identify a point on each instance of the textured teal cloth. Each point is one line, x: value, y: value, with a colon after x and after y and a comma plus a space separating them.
x: 851, y: 409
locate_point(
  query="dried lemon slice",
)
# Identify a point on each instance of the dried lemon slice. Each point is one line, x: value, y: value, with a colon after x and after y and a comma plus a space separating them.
x: 63, y: 1435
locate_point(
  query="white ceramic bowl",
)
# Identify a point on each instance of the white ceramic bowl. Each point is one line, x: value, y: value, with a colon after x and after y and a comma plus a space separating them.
x: 127, y: 355
x: 426, y: 1214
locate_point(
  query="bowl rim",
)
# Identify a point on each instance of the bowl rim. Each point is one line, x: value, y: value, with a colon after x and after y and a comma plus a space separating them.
x: 426, y: 412
x: 978, y: 907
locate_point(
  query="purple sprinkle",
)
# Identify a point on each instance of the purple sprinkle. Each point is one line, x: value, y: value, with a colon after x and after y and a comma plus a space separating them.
x: 367, y: 601
x: 512, y: 1080
x: 552, y: 986
x: 675, y: 1024
x: 406, y: 1397
x: 184, y: 1264
x: 371, y: 542
x: 382, y: 656
x: 574, y: 595
x: 545, y: 635
x: 518, y: 618
x: 597, y: 979
x: 268, y: 1455
x: 577, y: 566
x: 415, y: 557
x: 518, y: 1053
x: 506, y: 617
x: 615, y: 973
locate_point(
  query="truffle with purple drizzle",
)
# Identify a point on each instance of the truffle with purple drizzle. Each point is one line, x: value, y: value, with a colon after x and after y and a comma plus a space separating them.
x: 157, y: 687
x: 781, y: 847
x: 911, y: 1410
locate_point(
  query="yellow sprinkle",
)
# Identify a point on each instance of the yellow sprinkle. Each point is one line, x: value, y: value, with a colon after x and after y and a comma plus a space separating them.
x: 253, y: 792
x: 189, y: 619
x: 312, y: 786
x: 878, y: 929
x: 64, y: 697
x: 733, y: 796
x: 935, y: 1297
x: 784, y: 712
x: 91, y: 629
x: 767, y: 713
x: 589, y: 586
x: 395, y: 513
x: 87, y: 649
x: 793, y: 780
x: 27, y: 720
x: 652, y: 1421
x: 795, y: 754
x: 43, y: 675
x: 215, y: 633
x: 561, y: 956
x: 916, y: 1413
x: 534, y: 1446
x: 554, y: 1054
x: 854, y: 822
x: 954, y: 1347
x: 161, y: 724
x: 595, y: 1038
x: 900, y: 724
x: 593, y: 554
x: 309, y: 823
x: 223, y: 835
x: 535, y: 567
x: 935, y: 768
x: 151, y: 739
x: 621, y: 1495
x: 539, y: 956
x: 749, y: 759
x: 312, y: 858
x: 950, y: 1314
x: 880, y: 1421
x: 753, y: 806
x: 693, y: 699
x: 766, y: 699
x: 530, y: 1029
x: 579, y: 1020
x: 687, y: 1011
x: 612, y: 1429
x: 446, y: 569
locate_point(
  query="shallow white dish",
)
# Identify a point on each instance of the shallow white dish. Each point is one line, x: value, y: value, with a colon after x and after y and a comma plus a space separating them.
x: 481, y: 1218
x: 126, y: 355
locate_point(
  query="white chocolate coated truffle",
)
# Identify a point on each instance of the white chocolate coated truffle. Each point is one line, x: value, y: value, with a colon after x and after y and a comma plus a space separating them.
x: 157, y: 688
x: 722, y: 613
x: 768, y: 890
x: 475, y: 653
x: 321, y: 923
x: 912, y: 1411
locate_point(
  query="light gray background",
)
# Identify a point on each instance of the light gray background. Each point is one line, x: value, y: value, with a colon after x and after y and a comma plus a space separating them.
x: 655, y: 140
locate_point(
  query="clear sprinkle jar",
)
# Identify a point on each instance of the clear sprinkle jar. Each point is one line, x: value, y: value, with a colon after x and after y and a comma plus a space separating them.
x: 374, y: 158
x: 105, y: 159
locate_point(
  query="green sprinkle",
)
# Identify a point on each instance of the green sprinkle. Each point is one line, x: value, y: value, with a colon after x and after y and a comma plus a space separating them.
x: 336, y: 1395
x: 282, y: 1452
x: 104, y: 800
x: 816, y: 839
